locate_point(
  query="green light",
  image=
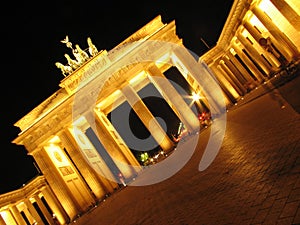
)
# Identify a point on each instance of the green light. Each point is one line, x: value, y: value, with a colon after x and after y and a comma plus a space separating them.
x: 144, y: 156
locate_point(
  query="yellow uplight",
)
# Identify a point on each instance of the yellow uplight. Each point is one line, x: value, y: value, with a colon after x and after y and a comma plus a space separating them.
x: 264, y: 5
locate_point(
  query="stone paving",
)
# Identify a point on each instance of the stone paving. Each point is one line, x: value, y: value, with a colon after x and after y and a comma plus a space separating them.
x: 255, y: 178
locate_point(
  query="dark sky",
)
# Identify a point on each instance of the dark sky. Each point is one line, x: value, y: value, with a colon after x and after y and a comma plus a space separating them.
x: 31, y: 33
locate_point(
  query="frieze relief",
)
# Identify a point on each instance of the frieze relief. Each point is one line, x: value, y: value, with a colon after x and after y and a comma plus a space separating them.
x: 44, y: 107
x: 26, y: 191
x: 44, y: 130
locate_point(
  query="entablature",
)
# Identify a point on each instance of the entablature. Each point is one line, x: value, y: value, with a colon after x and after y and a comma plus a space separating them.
x: 24, y: 192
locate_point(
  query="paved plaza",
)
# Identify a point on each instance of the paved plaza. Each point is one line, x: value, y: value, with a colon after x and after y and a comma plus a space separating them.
x: 255, y: 178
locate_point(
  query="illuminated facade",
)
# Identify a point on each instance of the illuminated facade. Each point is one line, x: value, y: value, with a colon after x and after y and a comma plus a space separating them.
x: 80, y: 153
x: 260, y: 39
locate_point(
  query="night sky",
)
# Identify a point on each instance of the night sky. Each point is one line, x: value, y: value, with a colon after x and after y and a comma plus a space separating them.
x: 31, y: 35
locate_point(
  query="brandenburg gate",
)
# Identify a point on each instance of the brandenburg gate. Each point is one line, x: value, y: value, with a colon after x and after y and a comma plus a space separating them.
x: 76, y: 147
x: 82, y: 157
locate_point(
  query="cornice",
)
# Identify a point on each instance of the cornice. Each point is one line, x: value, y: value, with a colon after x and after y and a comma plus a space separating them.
x: 234, y: 19
x: 24, y: 192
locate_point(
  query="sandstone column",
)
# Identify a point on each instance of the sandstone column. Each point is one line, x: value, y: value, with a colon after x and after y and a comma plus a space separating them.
x: 285, y: 46
x: 248, y: 77
x: 17, y: 215
x: 147, y: 118
x: 174, y: 99
x: 55, y: 205
x: 98, y: 185
x: 104, y: 141
x: 56, y: 182
x: 201, y: 74
x: 288, y: 12
x: 225, y: 84
x: 2, y: 222
x: 44, y: 210
x: 228, y: 64
x: 255, y: 54
x: 233, y: 80
x: 257, y: 37
x: 251, y: 66
x: 33, y: 211
x: 125, y: 152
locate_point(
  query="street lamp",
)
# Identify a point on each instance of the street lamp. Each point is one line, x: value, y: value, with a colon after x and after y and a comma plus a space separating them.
x: 195, y: 96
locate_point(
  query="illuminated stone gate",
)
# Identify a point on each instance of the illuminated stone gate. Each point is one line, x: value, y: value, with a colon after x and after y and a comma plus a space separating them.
x: 78, y: 150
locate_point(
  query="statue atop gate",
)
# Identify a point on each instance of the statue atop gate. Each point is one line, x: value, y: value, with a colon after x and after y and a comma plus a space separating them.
x: 81, y: 56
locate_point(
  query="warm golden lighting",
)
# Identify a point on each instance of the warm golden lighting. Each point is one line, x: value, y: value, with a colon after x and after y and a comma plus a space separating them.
x: 165, y: 59
x: 108, y: 101
x: 280, y: 21
x: 82, y: 156
x: 184, y: 71
x: 295, y: 5
x: 255, y: 22
x: 264, y: 5
x: 134, y: 80
x: 79, y: 122
x: 80, y: 138
x: 233, y: 91
x: 232, y: 51
x: 56, y: 155
x: 245, y: 33
x: 54, y: 140
x: 7, y: 217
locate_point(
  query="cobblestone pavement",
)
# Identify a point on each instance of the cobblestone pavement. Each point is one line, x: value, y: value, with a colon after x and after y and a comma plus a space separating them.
x: 255, y: 178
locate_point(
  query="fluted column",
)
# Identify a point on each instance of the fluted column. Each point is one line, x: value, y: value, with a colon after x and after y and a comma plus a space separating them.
x: 33, y: 211
x: 17, y: 215
x: 174, y: 99
x: 256, y: 56
x: 232, y: 68
x: 257, y: 36
x: 57, y: 183
x: 44, y: 210
x: 240, y: 68
x: 147, y: 118
x: 230, y: 76
x: 252, y: 30
x: 285, y: 45
x: 226, y: 86
x: 202, y: 75
x: 55, y: 205
x: 251, y: 66
x: 288, y: 12
x: 116, y: 163
x: 99, y: 185
x: 125, y: 152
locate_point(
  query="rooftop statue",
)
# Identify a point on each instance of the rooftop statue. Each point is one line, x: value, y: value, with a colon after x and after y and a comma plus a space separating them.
x: 67, y: 42
x: 80, y: 55
x: 66, y: 70
x: 92, y: 48
x: 73, y: 63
